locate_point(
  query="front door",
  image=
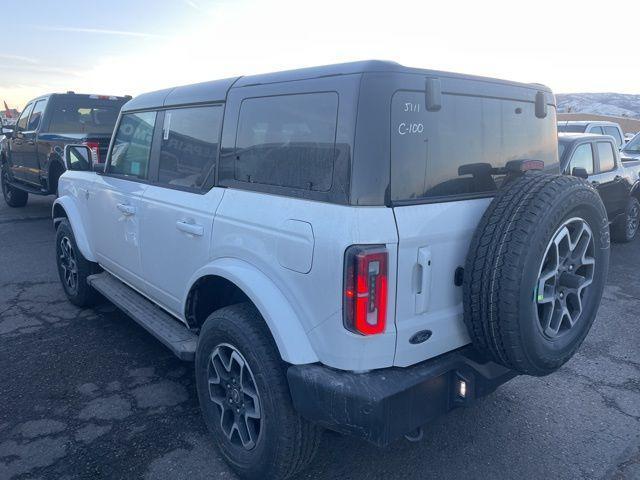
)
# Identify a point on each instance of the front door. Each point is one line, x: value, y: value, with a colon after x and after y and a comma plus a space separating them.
x: 612, y: 187
x: 30, y: 161
x: 19, y: 144
x: 179, y: 206
x: 115, y: 215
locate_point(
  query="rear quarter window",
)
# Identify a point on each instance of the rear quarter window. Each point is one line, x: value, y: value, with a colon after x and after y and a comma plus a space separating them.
x: 287, y: 141
x: 448, y: 153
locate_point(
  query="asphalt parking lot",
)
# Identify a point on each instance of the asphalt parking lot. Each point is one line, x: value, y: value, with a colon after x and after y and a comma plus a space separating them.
x: 89, y: 394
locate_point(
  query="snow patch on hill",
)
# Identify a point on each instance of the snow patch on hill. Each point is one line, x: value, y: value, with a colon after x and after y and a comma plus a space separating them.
x: 612, y: 104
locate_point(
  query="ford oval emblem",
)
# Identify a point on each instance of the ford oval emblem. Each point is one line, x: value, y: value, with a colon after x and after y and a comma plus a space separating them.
x: 420, y: 337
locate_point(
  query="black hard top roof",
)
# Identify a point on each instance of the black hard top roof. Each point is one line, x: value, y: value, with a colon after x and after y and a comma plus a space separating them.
x: 216, y: 90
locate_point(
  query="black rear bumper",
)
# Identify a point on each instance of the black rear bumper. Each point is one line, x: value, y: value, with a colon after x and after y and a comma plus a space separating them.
x: 383, y: 405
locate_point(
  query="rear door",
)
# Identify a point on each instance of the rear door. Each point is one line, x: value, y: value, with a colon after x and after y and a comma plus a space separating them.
x: 179, y: 204
x: 115, y: 198
x: 441, y: 184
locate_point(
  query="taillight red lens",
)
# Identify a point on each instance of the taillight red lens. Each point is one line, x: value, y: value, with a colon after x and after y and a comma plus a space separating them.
x: 365, y: 289
x: 95, y: 148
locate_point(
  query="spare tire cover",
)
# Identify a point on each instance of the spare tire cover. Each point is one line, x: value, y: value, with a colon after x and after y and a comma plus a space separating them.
x: 536, y: 271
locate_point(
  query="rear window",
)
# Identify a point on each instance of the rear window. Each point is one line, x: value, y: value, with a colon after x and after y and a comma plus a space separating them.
x: 287, y: 141
x: 607, y: 157
x: 83, y: 114
x: 451, y: 152
x: 563, y: 127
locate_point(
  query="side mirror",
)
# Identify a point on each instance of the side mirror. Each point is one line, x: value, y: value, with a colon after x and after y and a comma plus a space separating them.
x: 580, y: 172
x: 78, y: 158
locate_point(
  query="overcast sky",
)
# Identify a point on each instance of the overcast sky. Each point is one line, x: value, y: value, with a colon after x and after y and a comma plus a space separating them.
x: 123, y: 47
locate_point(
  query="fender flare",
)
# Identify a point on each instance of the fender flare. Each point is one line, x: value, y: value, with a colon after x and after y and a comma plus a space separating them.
x: 54, y: 160
x: 287, y: 331
x: 69, y: 206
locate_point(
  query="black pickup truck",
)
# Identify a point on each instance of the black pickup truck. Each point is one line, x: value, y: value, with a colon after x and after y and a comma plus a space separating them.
x: 597, y: 159
x: 32, y: 151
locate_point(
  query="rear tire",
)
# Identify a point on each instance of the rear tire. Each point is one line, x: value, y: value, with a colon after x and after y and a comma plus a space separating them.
x: 626, y: 228
x: 73, y: 268
x: 280, y: 443
x: 535, y: 272
x: 13, y: 197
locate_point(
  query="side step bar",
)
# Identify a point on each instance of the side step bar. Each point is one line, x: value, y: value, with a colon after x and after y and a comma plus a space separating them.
x: 180, y: 340
x: 27, y: 188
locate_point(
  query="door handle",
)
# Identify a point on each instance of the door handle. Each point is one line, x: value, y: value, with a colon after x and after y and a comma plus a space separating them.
x: 424, y: 279
x: 127, y: 210
x: 189, y: 227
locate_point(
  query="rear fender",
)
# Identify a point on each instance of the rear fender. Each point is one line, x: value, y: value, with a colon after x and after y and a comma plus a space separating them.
x: 286, y: 329
x: 69, y: 207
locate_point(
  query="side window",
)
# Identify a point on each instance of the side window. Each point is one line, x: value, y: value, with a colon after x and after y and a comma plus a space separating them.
x: 596, y: 130
x: 132, y: 145
x: 582, y: 158
x: 36, y: 115
x: 287, y: 141
x: 189, y: 147
x: 606, y: 156
x: 22, y: 122
x: 615, y: 133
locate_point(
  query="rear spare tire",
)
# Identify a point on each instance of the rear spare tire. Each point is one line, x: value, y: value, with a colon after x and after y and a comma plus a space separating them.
x: 535, y: 272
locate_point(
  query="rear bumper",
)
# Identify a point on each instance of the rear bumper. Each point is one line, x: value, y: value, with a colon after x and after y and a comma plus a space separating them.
x: 383, y: 405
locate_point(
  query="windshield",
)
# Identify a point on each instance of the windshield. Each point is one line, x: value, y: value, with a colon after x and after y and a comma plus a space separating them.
x: 561, y: 148
x: 633, y: 145
x: 571, y: 128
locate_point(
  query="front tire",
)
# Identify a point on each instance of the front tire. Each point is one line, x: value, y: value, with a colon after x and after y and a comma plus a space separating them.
x: 245, y: 399
x: 73, y: 268
x: 626, y: 229
x: 13, y: 197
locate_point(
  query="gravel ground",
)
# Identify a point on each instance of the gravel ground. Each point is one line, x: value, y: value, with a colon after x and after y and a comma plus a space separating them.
x: 89, y: 394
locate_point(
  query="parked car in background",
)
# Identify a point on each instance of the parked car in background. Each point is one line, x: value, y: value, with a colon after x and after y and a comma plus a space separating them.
x: 32, y: 152
x: 596, y: 158
x: 629, y: 136
x: 595, y: 128
x: 631, y: 150
x: 323, y: 272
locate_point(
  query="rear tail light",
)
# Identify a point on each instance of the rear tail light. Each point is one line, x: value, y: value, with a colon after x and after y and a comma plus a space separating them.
x: 365, y: 289
x: 95, y: 149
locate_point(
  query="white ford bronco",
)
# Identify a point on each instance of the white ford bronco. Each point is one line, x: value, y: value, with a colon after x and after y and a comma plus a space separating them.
x: 358, y: 247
